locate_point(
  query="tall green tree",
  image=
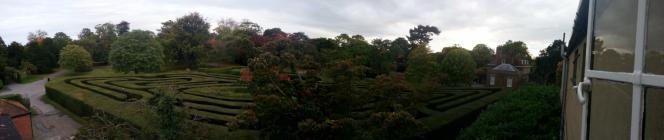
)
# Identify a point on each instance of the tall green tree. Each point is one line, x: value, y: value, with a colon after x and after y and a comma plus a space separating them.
x: 399, y: 49
x: 421, y: 35
x: 482, y: 55
x: 39, y: 55
x: 136, y: 51
x: 184, y: 38
x: 60, y: 40
x: 15, y: 54
x: 225, y: 27
x: 298, y: 37
x: 273, y: 32
x: 75, y: 58
x: 106, y: 35
x: 513, y: 51
x: 250, y: 28
x: 546, y: 64
x: 459, y: 67
x: 3, y: 61
x: 421, y: 66
x: 122, y: 27
x: 381, y: 59
x: 37, y: 36
x: 88, y: 40
x: 238, y: 50
x: 350, y: 47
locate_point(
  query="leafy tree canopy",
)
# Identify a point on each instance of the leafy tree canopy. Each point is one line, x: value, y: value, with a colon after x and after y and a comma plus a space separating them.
x: 15, y: 54
x: 122, y: 27
x: 298, y: 37
x: 37, y: 36
x: 546, y: 64
x: 513, y: 48
x: 184, y: 38
x: 88, y: 40
x: 459, y: 67
x: 482, y: 55
x: 421, y: 35
x: 421, y: 66
x: 75, y: 58
x: 274, y: 32
x: 39, y: 55
x: 106, y: 35
x: 136, y: 51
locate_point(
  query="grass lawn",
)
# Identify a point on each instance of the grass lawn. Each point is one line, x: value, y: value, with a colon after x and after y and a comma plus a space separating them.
x: 32, y: 78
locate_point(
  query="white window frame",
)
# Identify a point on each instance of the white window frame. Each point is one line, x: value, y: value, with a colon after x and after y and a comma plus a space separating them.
x: 509, y: 82
x: 492, y: 80
x: 637, y: 78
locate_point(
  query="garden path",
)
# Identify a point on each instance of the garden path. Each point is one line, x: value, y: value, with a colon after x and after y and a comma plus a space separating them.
x: 49, y: 123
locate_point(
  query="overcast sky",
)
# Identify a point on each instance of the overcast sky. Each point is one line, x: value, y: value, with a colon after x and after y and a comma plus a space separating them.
x: 464, y: 22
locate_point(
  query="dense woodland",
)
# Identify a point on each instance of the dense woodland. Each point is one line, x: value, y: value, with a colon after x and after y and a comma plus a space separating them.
x: 303, y: 87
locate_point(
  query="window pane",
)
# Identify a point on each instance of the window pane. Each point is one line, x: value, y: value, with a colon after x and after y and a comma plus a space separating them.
x: 655, y: 43
x: 610, y: 110
x: 654, y: 114
x: 615, y: 32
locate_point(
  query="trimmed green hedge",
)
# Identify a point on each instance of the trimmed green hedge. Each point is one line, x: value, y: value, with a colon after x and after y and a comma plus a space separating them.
x: 530, y: 112
x: 234, y: 70
x: 447, y: 124
x: 17, y: 97
x: 84, y: 98
x: 73, y: 105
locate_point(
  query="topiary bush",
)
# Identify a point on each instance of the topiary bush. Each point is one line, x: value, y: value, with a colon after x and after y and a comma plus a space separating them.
x: 75, y: 58
x: 530, y: 112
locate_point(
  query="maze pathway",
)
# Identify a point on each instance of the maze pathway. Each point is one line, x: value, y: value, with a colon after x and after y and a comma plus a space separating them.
x: 214, y: 108
x: 217, y: 98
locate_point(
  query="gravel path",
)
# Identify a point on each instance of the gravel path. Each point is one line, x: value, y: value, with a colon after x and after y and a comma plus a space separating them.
x: 50, y: 123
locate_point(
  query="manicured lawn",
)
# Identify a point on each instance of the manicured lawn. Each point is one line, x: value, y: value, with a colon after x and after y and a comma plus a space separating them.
x: 33, y: 77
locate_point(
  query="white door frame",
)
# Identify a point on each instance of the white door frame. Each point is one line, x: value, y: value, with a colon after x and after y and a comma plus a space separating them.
x: 637, y: 78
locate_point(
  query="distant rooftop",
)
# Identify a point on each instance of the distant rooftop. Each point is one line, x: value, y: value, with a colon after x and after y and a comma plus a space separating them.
x: 505, y: 67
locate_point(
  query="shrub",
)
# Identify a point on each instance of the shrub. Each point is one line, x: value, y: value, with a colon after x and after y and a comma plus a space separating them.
x: 13, y: 74
x: 28, y: 67
x: 531, y: 112
x: 75, y: 58
x: 17, y: 97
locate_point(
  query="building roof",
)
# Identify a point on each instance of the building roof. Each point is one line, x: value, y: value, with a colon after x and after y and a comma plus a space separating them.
x: 14, y: 116
x: 505, y: 67
x: 579, y: 31
x: 12, y: 108
x: 7, y: 129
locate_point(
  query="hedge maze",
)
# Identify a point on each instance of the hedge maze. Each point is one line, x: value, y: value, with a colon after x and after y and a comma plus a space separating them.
x: 211, y: 98
x: 216, y: 98
x: 446, y: 99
